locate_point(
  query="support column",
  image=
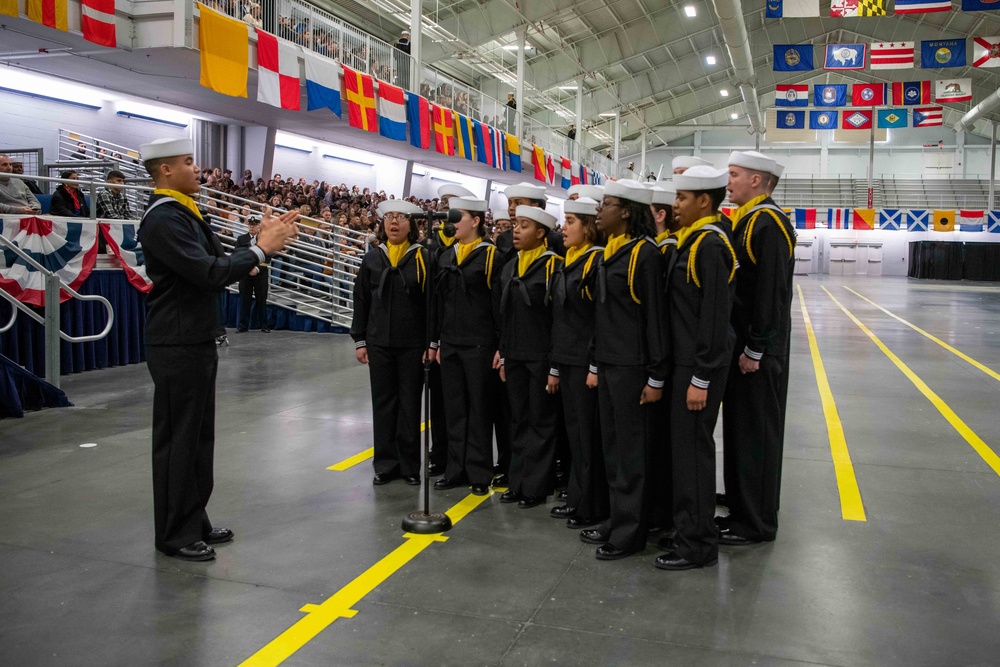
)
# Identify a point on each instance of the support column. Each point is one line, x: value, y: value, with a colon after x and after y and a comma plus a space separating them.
x: 234, y: 151
x: 522, y: 34
x: 697, y: 143
x: 871, y: 166
x: 824, y: 153
x: 416, y: 61
x: 617, y: 134
x: 53, y: 344
x: 579, y: 120
x: 258, y: 150
x: 993, y: 163
x: 960, y: 150
x: 408, y: 178
x: 489, y: 190
x: 642, y: 158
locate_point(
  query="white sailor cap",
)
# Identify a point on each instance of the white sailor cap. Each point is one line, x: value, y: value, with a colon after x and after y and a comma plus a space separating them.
x: 581, y: 206
x: 630, y: 190
x: 536, y: 214
x: 595, y: 192
x: 664, y: 193
x: 688, y: 161
x: 752, y: 160
x: 470, y: 204
x: 500, y: 214
x: 779, y: 169
x: 450, y: 189
x: 162, y: 148
x: 525, y: 191
x: 397, y: 206
x: 701, y: 178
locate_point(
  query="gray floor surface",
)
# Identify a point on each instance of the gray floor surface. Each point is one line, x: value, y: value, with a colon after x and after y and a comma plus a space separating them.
x: 918, y: 583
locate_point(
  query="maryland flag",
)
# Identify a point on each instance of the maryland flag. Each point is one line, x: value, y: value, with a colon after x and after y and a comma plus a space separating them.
x: 863, y: 218
x: 944, y: 221
x: 360, y: 92
x: 441, y: 128
x: 47, y: 12
x: 224, y: 44
x: 538, y: 160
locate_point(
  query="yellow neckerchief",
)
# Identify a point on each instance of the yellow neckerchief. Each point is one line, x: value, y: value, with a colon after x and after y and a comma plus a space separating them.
x: 463, y: 249
x: 574, y: 253
x: 184, y: 199
x: 614, y: 244
x: 396, y: 252
x: 525, y: 258
x: 446, y: 240
x: 685, y: 233
x: 662, y: 236
x: 743, y: 210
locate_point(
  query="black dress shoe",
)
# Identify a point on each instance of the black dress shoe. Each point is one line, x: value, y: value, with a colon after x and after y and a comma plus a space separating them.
x: 196, y: 551
x: 412, y: 480
x: 722, y: 522
x: 672, y: 561
x: 562, y: 512
x: 435, y: 469
x: 448, y: 483
x: 265, y: 330
x: 219, y: 536
x: 509, y: 497
x: 582, y: 522
x: 611, y: 552
x: 593, y: 536
x: 241, y: 330
x: 501, y: 480
x: 563, y: 495
x: 381, y: 478
x: 527, y: 502
x: 667, y: 543
x: 480, y: 490
x: 729, y: 538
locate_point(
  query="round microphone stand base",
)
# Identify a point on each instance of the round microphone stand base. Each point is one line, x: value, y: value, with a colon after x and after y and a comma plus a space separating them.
x: 424, y: 523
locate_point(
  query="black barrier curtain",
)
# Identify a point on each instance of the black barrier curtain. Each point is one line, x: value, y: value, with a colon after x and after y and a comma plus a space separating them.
x: 948, y: 260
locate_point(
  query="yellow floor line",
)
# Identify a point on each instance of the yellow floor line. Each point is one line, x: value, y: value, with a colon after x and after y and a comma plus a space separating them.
x: 961, y: 355
x: 339, y: 605
x: 977, y: 443
x: 851, y: 506
x: 361, y: 457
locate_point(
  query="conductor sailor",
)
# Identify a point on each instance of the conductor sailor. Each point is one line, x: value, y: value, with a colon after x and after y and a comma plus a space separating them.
x: 189, y: 269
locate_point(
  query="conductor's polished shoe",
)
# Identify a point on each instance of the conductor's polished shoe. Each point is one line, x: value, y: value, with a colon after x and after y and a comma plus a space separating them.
x: 509, y: 497
x: 562, y: 512
x: 480, y: 490
x: 196, y: 551
x: 672, y: 561
x: 412, y: 480
x: 381, y: 478
x: 729, y: 538
x: 448, y: 483
x: 563, y: 495
x: 527, y: 502
x: 219, y: 536
x: 593, y: 536
x: 611, y: 552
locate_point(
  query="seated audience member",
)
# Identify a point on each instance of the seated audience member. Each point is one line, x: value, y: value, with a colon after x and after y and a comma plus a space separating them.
x: 15, y: 197
x: 111, y: 201
x: 18, y: 168
x: 68, y: 200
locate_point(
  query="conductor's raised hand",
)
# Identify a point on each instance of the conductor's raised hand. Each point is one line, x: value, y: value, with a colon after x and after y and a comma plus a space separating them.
x: 275, y: 232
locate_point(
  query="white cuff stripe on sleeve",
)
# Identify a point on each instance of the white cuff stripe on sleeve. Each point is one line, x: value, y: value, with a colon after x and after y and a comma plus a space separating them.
x: 435, y: 344
x: 261, y: 257
x: 360, y: 344
x: 593, y: 369
x: 554, y: 372
x: 655, y: 384
x: 756, y: 356
x: 698, y: 382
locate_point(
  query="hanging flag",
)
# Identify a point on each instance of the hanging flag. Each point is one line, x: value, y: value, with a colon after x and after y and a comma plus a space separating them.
x: 892, y: 118
x: 805, y: 218
x: 550, y: 169
x: 418, y: 117
x: 921, y: 6
x: 863, y: 219
x: 868, y: 94
x: 441, y: 128
x: 953, y: 90
x: 513, y: 152
x: 360, y: 92
x: 917, y: 221
x: 823, y: 120
x: 845, y: 56
x: 993, y: 222
x: 124, y: 244
x: 391, y: 111
x: 944, y: 221
x: 277, y: 72
x: 784, y: 9
x: 857, y: 120
x: 986, y: 51
x: 483, y: 142
x: 8, y: 8
x: 927, y: 117
x: 574, y: 178
x: 791, y: 95
x: 830, y: 95
x: 848, y: 8
x: 67, y: 248
x: 838, y: 218
x: 499, y: 148
x: 979, y: 5
x: 937, y: 53
x: 464, y: 146
x: 890, y: 219
x: 322, y: 83
x: 790, y: 120
x: 538, y: 161
x: 793, y: 57
x: 49, y: 12
x: 224, y: 44
x: 970, y: 221
x: 894, y: 55
x: 911, y: 92
x: 97, y: 22
x: 567, y: 173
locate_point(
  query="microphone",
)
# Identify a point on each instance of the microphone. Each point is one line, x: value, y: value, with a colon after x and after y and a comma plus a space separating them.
x: 450, y: 217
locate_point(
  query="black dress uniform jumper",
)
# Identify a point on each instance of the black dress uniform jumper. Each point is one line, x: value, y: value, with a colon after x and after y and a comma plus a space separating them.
x: 251, y: 288
x: 437, y: 243
x: 525, y: 352
x: 630, y: 352
x: 466, y: 326
x: 573, y: 289
x: 189, y: 268
x: 700, y: 285
x: 753, y: 418
x: 390, y: 320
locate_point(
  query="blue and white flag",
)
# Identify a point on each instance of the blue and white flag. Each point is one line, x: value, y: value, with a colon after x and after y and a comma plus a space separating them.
x: 793, y: 57
x: 890, y: 218
x: 830, y: 95
x: 783, y: 9
x: 322, y: 83
x: 823, y: 120
x: 936, y: 53
x: 845, y: 56
x: 917, y: 220
x: 993, y: 221
x: 790, y: 120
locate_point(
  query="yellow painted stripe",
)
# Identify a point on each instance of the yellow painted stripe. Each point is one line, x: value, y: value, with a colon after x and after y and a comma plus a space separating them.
x: 851, y: 506
x: 958, y: 353
x: 977, y: 443
x: 361, y: 457
x: 339, y: 605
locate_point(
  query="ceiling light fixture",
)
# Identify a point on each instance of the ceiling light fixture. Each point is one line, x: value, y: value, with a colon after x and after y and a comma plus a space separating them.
x: 734, y: 116
x: 607, y: 115
x: 724, y: 92
x: 690, y: 11
x: 709, y: 60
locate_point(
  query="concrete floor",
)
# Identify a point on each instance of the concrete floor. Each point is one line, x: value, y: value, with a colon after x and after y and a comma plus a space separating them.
x: 917, y: 584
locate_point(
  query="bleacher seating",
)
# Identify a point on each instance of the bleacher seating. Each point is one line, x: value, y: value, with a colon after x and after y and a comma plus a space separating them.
x: 915, y: 193
x: 815, y: 192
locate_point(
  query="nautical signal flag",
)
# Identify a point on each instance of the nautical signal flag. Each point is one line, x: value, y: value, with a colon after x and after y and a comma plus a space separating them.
x: 277, y: 72
x: 550, y: 169
x: 993, y: 222
x: 845, y: 56
x: 441, y: 130
x: 391, y: 111
x: 953, y: 90
x: 927, y: 117
x: 857, y: 120
x: 360, y: 91
x: 830, y: 95
x: 911, y: 92
x: 892, y: 118
x: 868, y: 94
x: 791, y: 95
x: 484, y: 142
x: 499, y: 159
x: 97, y: 21
x: 921, y: 6
x: 917, y: 220
x: 784, y: 9
x: 986, y: 51
x: 805, y: 218
x: 322, y: 83
x: 224, y: 44
x: 842, y: 8
x: 863, y: 218
x: 838, y: 218
x: 823, y: 120
x: 464, y: 146
x: 418, y: 117
x: 793, y: 57
x: 538, y: 161
x: 892, y: 55
x: 790, y: 120
x: 944, y: 221
x: 8, y: 7
x: 52, y: 13
x: 937, y: 53
x: 513, y: 152
x: 890, y: 219
x: 970, y: 221
x: 567, y: 173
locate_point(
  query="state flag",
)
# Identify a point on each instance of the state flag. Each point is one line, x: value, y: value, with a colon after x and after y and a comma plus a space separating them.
x: 790, y: 120
x: 805, y: 218
x: 441, y: 130
x: 921, y: 6
x: 277, y: 72
x: 51, y: 13
x: 391, y: 111
x: 890, y: 219
x: 892, y: 118
x: 986, y: 51
x: 830, y: 95
x: 970, y: 221
x: 857, y: 120
x: 823, y: 120
x: 838, y: 218
x: 97, y: 22
x: 979, y: 5
x: 791, y: 95
x: 322, y: 83
x: 848, y: 8
x: 845, y: 56
x: 513, y: 152
x: 894, y: 55
x: 793, y: 57
x: 360, y: 91
x: 944, y: 221
x: 993, y: 222
x: 418, y: 117
x: 927, y: 117
x: 938, y: 53
x: 953, y: 90
x: 464, y: 141
x: 538, y: 162
x: 911, y: 92
x: 863, y: 219
x: 868, y: 94
x: 224, y: 46
x: 917, y: 220
x: 784, y: 9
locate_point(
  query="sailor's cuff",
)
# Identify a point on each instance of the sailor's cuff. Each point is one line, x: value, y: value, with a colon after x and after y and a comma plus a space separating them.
x: 501, y: 361
x: 655, y: 384
x: 554, y: 372
x: 699, y: 383
x: 360, y: 344
x: 756, y: 356
x: 261, y: 257
x: 593, y: 369
x: 435, y: 344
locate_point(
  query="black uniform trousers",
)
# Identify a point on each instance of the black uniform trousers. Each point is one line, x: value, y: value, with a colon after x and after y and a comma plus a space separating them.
x: 693, y: 461
x: 501, y: 426
x: 660, y: 477
x: 752, y: 425
x: 250, y: 289
x: 625, y: 433
x: 183, y: 440
x: 587, y: 491
x: 439, y: 424
x: 396, y: 381
x: 533, y: 427
x: 467, y: 373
